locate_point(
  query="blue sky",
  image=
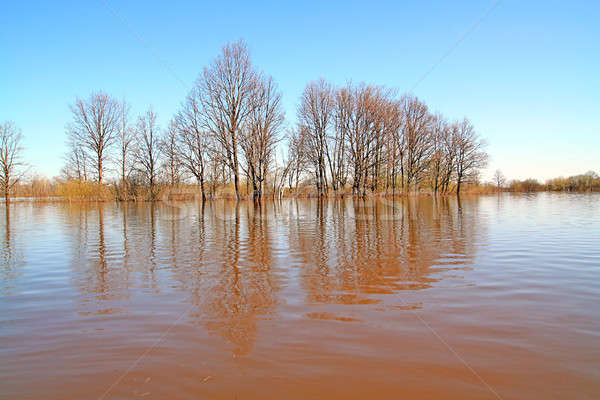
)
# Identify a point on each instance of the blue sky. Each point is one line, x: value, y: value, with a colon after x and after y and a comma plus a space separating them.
x: 527, y: 76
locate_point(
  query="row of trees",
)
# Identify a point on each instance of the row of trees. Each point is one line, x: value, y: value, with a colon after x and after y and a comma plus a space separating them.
x: 588, y: 182
x: 363, y: 136
x: 228, y: 128
x: 228, y: 125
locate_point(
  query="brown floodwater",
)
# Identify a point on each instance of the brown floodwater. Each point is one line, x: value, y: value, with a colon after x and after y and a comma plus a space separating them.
x: 491, y: 297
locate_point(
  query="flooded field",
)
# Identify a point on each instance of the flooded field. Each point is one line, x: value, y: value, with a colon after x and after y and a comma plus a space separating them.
x: 492, y: 297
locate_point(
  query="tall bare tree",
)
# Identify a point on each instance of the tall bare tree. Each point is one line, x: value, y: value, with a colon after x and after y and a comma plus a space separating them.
x: 337, y: 154
x: 315, y: 114
x: 392, y: 142
x: 437, y: 156
x: 95, y: 127
x: 449, y: 143
x: 170, y: 149
x: 148, y: 149
x: 126, y: 139
x: 362, y: 116
x: 225, y: 92
x: 261, y: 133
x: 193, y: 140
x: 417, y: 130
x: 11, y: 162
x: 470, y: 153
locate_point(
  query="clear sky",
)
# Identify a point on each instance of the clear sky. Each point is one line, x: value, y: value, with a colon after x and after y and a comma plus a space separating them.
x: 527, y: 75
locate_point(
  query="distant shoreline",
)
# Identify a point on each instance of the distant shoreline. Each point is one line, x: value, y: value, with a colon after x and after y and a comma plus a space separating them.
x: 269, y: 198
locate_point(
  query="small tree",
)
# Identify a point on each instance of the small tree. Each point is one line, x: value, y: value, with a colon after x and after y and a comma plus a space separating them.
x: 11, y: 164
x: 148, y: 149
x: 499, y: 179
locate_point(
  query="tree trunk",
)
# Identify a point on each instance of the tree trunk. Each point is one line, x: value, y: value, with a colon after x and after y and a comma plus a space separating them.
x: 99, y: 169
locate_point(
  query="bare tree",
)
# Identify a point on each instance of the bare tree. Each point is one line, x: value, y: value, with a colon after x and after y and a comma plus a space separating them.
x: 398, y: 144
x: 95, y: 127
x: 77, y: 162
x: 126, y: 139
x: 279, y: 176
x: 148, y: 149
x: 261, y: 133
x: 337, y: 149
x: 170, y: 149
x: 314, y: 113
x: 296, y: 157
x: 11, y: 163
x: 193, y: 141
x: 225, y: 90
x: 417, y: 129
x: 470, y: 154
x: 438, y: 156
x: 393, y: 143
x: 499, y: 179
x: 365, y: 116
x: 215, y: 167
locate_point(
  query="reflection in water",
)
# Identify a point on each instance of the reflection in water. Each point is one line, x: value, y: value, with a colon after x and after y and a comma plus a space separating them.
x: 314, y: 291
x: 11, y: 256
x: 356, y: 249
x: 244, y: 288
x: 222, y: 254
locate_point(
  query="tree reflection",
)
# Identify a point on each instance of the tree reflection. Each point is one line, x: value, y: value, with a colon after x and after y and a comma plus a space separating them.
x: 244, y: 289
x: 222, y: 259
x: 100, y: 254
x: 375, y: 247
x: 11, y: 256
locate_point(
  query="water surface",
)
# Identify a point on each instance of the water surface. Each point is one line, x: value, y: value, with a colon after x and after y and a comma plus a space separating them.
x: 483, y: 298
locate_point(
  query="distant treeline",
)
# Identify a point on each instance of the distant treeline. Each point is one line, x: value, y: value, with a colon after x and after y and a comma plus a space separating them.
x: 72, y: 189
x: 588, y: 182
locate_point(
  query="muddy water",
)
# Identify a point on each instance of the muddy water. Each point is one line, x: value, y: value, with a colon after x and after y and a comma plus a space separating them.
x: 482, y: 298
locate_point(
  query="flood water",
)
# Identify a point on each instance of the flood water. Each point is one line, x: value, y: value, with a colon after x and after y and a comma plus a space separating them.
x: 491, y: 297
